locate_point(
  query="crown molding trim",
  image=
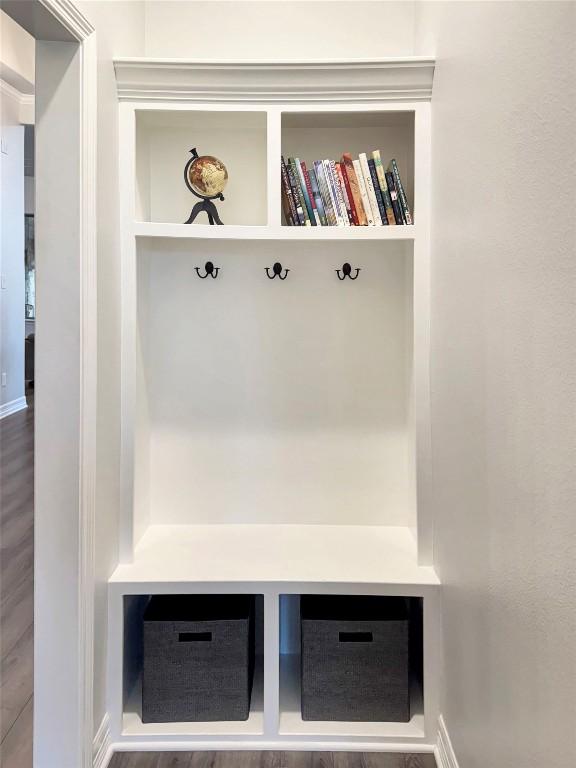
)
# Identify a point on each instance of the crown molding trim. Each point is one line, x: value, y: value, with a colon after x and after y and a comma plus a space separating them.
x: 337, y: 81
x: 25, y: 102
x: 70, y: 17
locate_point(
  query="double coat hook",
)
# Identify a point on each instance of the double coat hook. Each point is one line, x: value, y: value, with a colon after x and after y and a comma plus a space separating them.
x: 277, y: 271
x: 347, y: 272
x: 209, y: 269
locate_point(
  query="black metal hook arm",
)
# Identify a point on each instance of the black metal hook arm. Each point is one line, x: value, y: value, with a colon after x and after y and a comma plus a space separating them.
x: 347, y: 272
x: 277, y: 270
x: 209, y: 270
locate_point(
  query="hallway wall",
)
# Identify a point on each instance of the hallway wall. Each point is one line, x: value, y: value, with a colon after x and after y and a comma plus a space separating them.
x: 11, y: 254
x: 279, y: 31
x: 119, y: 32
x: 504, y: 375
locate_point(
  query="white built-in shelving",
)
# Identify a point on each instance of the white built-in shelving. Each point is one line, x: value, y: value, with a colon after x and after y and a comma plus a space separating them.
x: 275, y: 435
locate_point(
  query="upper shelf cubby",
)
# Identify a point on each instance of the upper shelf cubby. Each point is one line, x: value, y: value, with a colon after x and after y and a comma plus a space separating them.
x: 319, y: 135
x: 164, y: 139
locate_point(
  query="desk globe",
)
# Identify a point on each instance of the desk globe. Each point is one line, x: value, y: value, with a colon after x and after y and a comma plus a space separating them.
x: 205, y: 176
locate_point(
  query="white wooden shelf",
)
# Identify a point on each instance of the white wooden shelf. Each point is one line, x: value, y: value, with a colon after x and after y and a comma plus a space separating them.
x: 236, y: 232
x: 292, y: 725
x: 172, y: 557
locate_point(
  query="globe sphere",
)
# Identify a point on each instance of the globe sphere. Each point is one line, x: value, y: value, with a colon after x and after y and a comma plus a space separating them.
x: 207, y: 176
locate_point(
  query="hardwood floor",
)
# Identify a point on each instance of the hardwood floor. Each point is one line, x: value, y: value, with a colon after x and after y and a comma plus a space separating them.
x: 16, y: 587
x: 270, y: 760
x: 17, y: 638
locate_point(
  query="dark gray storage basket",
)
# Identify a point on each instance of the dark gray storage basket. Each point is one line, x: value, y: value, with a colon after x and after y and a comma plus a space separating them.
x: 355, y: 659
x: 198, y: 658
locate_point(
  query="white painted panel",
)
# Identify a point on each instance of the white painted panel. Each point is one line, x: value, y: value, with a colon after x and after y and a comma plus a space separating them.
x: 278, y: 401
x: 57, y: 735
x: 164, y: 141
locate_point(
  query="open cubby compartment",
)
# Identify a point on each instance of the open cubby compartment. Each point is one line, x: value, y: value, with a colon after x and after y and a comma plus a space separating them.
x: 164, y: 139
x: 134, y: 607
x: 291, y: 723
x: 328, y: 134
x: 274, y: 402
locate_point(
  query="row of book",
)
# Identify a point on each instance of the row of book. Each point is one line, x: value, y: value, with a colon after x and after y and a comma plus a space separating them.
x: 356, y: 193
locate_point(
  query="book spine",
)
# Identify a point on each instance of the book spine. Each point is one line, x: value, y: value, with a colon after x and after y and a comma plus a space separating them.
x: 310, y: 193
x: 286, y: 208
x: 354, y: 189
x: 400, y: 190
x: 332, y: 190
x: 296, y: 192
x: 363, y: 193
x: 339, y: 195
x: 317, y: 197
x: 347, y: 198
x: 288, y: 195
x: 370, y: 188
x: 377, y: 192
x: 320, y: 175
x: 383, y: 187
x: 307, y: 201
x: 394, y: 197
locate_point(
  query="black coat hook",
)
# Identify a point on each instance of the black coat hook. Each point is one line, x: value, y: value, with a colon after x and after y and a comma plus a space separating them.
x: 347, y: 272
x: 277, y: 272
x: 209, y: 269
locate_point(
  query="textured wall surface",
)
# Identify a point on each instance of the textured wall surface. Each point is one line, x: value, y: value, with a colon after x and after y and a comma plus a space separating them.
x: 279, y: 30
x: 504, y: 376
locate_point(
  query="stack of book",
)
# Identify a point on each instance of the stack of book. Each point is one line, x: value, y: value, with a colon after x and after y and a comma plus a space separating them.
x: 349, y: 193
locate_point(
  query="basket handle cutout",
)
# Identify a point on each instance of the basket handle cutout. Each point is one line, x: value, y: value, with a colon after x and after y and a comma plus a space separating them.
x: 195, y: 637
x: 356, y: 637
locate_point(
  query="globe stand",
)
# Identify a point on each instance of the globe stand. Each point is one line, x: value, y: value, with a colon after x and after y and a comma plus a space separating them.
x: 209, y: 208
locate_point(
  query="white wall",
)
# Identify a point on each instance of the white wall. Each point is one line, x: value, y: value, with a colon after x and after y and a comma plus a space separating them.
x: 12, y: 253
x: 16, y: 55
x: 278, y: 30
x: 504, y: 376
x: 120, y: 32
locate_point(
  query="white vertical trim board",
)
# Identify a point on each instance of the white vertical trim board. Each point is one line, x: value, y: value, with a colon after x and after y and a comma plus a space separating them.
x: 444, y: 752
x: 102, y: 748
x: 88, y: 388
x: 7, y: 409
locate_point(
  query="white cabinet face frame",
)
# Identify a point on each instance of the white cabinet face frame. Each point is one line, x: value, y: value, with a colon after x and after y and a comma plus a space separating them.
x: 135, y: 516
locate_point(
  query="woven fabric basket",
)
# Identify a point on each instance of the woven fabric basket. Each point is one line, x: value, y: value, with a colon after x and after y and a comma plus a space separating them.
x: 198, y: 658
x: 355, y: 659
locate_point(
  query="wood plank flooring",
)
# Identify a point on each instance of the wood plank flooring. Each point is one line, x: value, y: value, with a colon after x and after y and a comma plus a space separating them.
x: 270, y: 760
x: 16, y: 587
x: 17, y: 638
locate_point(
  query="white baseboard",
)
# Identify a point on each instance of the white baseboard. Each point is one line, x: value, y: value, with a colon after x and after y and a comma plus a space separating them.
x: 102, y: 750
x: 444, y: 752
x: 7, y: 409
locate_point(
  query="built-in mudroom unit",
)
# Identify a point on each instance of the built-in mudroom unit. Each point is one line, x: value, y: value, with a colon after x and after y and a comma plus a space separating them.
x: 276, y: 586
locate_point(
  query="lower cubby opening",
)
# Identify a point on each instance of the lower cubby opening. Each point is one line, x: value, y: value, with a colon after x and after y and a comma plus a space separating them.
x: 338, y: 685
x: 172, y: 637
